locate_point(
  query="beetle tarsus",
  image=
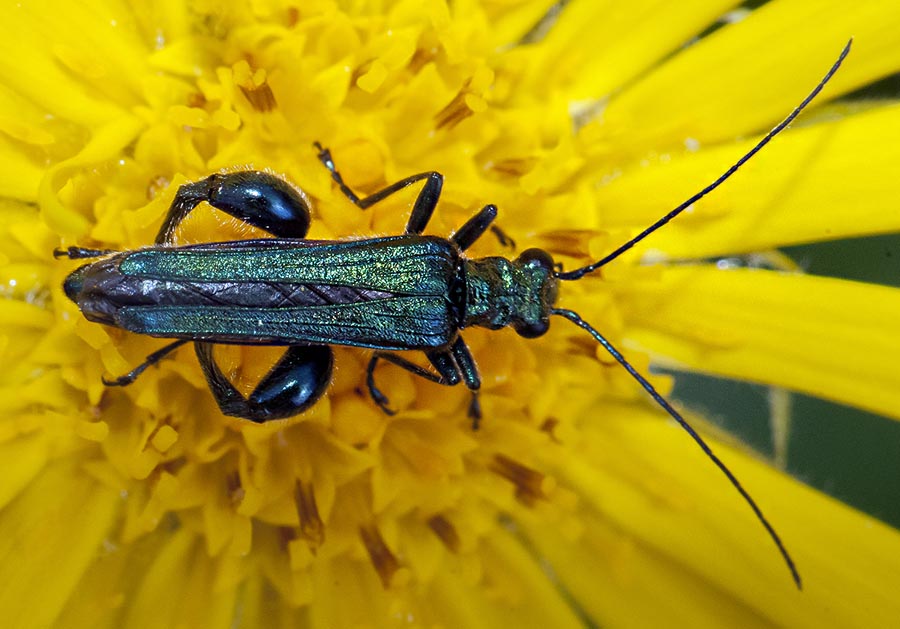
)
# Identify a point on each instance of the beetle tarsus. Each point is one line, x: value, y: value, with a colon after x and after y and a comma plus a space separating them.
x: 152, y: 359
x: 374, y: 392
x: 475, y: 410
x: 503, y: 238
x: 80, y: 253
x: 121, y: 381
x: 324, y: 156
x: 382, y: 403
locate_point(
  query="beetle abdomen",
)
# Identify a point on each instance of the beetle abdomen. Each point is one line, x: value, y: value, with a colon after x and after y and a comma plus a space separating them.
x: 384, y: 293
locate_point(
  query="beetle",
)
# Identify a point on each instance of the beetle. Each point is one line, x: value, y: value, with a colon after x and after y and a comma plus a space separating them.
x: 393, y: 293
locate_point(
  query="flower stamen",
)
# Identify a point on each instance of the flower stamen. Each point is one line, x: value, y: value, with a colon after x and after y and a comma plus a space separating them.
x: 530, y: 484
x: 260, y: 97
x: 514, y: 167
x: 456, y: 111
x: 312, y: 529
x: 235, y: 488
x: 254, y: 85
x: 383, y: 560
x: 445, y: 531
x: 549, y: 427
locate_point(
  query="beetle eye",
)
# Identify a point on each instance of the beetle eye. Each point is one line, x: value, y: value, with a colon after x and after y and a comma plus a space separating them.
x: 536, y: 257
x: 533, y: 330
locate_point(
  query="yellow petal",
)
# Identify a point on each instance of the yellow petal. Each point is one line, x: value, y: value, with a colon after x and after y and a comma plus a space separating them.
x: 176, y: 590
x: 170, y: 18
x: 596, y: 47
x: 105, y: 144
x: 66, y: 59
x: 23, y: 460
x: 830, y: 338
x: 510, y: 22
x: 820, y: 182
x: 514, y: 592
x: 49, y: 536
x: 673, y: 543
x: 21, y: 176
x: 748, y: 75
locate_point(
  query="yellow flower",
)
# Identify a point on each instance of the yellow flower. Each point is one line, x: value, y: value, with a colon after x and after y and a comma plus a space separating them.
x: 578, y: 503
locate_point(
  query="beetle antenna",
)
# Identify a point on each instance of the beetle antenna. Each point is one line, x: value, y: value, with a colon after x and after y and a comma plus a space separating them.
x: 575, y: 318
x: 579, y: 273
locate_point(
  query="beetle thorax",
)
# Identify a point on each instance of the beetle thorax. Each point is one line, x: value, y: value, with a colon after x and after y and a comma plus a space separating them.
x: 517, y: 293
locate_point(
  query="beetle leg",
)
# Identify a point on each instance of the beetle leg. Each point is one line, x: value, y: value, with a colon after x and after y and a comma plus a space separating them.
x: 469, y: 372
x: 260, y: 199
x: 380, y: 398
x: 152, y: 359
x: 425, y: 202
x: 453, y: 366
x: 473, y: 228
x: 294, y: 384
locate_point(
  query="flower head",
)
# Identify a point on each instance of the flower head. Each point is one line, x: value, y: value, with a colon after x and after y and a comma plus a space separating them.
x: 576, y: 502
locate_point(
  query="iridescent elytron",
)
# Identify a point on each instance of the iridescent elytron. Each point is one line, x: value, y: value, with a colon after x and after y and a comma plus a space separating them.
x: 408, y: 292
